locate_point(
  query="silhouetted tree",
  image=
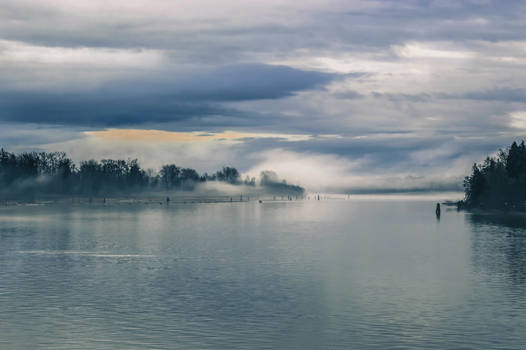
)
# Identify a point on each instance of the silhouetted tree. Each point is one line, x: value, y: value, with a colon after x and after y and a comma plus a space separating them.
x: 499, y: 181
x: 250, y: 181
x: 270, y: 181
x: 31, y: 173
x: 170, y: 176
x: 228, y: 174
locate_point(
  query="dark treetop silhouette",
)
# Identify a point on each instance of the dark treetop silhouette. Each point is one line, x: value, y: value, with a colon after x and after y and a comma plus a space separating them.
x: 498, y: 182
x: 28, y: 174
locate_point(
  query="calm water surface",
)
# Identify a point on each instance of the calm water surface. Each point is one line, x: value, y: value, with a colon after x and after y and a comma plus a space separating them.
x: 364, y: 274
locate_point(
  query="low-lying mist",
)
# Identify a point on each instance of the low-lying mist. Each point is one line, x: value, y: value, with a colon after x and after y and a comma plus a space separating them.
x: 53, y: 175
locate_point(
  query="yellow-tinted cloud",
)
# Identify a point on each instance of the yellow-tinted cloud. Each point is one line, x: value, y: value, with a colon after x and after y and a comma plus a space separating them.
x: 139, y: 135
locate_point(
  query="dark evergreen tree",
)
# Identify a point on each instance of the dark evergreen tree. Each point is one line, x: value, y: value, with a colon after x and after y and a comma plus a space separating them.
x: 499, y: 181
x: 30, y: 173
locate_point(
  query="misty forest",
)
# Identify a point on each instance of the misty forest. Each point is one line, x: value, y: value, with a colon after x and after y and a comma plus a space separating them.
x: 498, y: 182
x: 32, y: 174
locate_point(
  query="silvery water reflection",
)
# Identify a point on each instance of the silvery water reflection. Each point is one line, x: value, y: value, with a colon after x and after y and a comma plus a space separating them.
x: 369, y: 274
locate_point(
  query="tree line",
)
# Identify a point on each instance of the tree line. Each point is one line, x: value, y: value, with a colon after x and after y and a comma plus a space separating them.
x: 30, y: 173
x: 499, y: 181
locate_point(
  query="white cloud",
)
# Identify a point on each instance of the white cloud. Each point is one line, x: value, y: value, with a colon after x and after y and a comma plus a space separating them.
x: 426, y: 50
x: 518, y: 120
x: 20, y: 52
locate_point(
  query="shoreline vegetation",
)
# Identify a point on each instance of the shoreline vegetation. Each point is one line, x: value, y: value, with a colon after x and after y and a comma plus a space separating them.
x: 498, y: 183
x: 53, y: 177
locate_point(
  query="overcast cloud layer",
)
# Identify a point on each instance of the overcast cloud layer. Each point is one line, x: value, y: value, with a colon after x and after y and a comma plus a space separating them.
x: 332, y: 94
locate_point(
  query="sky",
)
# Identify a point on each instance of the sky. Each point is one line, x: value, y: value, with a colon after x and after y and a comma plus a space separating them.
x: 332, y: 95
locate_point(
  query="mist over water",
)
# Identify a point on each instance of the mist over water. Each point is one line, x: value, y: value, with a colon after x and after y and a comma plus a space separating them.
x: 340, y: 274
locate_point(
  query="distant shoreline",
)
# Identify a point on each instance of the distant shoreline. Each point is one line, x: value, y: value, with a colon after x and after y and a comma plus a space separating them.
x: 200, y: 198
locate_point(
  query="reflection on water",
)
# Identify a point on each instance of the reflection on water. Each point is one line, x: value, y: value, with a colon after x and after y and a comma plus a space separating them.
x: 499, y: 244
x: 340, y: 274
x: 514, y: 221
